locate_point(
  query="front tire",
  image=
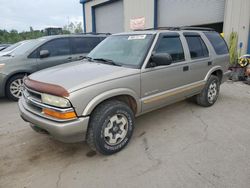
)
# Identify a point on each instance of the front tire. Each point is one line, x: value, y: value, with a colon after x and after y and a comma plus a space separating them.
x: 210, y: 93
x: 111, y: 127
x: 14, y: 87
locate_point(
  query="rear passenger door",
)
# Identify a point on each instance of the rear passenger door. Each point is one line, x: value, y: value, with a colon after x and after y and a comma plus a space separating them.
x: 199, y: 61
x: 59, y: 53
x: 81, y: 46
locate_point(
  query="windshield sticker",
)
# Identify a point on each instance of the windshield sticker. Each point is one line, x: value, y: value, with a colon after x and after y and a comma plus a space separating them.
x: 137, y: 37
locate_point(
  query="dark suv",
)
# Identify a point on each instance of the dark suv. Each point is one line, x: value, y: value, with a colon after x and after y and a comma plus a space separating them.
x: 39, y: 54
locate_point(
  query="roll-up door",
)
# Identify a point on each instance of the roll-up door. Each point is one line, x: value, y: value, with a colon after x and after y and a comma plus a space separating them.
x: 109, y: 17
x: 190, y: 12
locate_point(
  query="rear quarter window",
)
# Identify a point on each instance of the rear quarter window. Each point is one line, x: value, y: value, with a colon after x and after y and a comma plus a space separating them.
x: 217, y: 42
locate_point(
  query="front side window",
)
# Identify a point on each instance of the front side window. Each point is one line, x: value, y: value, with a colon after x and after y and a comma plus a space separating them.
x: 84, y: 44
x: 57, y: 47
x: 128, y: 50
x: 171, y: 45
x: 197, y: 47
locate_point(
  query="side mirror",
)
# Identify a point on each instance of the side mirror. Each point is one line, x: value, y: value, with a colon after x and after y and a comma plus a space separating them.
x: 44, y: 53
x: 160, y: 59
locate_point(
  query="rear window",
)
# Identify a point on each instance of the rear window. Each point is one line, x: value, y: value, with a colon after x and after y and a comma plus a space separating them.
x: 197, y: 47
x: 217, y: 42
x: 84, y: 44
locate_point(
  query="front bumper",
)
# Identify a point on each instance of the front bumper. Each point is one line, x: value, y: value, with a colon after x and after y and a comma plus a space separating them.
x: 226, y: 75
x: 68, y: 132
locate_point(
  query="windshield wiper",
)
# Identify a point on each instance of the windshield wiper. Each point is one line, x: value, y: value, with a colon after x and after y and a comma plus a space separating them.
x: 88, y: 58
x: 8, y: 55
x: 107, y: 61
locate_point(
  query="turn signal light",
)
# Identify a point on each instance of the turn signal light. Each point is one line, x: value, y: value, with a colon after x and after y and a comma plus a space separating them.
x: 59, y: 115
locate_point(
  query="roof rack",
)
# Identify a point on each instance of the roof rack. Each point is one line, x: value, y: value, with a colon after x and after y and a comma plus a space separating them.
x: 179, y: 28
x: 197, y: 28
x: 94, y: 33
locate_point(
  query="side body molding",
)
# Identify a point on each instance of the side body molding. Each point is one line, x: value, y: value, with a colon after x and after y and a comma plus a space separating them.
x: 109, y: 94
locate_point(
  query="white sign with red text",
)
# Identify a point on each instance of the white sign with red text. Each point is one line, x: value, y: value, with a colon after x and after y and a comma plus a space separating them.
x: 137, y: 23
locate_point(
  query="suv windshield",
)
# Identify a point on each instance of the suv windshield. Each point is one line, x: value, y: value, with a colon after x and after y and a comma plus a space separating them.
x: 127, y: 50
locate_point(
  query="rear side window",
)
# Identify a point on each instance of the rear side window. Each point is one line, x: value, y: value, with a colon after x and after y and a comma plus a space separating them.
x: 197, y: 47
x: 171, y: 45
x: 57, y: 47
x: 84, y: 44
x: 217, y: 42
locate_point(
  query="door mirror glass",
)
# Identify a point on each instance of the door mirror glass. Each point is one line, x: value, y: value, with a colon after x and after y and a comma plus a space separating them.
x: 44, y: 53
x: 160, y: 59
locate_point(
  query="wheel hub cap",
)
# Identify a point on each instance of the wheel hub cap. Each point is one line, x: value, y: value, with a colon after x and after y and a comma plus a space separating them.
x: 116, y: 129
x: 16, y: 88
x: 212, y: 92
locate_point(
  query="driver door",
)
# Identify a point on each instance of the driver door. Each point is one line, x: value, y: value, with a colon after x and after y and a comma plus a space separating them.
x: 161, y: 85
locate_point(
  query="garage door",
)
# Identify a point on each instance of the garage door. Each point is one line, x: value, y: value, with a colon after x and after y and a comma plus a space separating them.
x: 109, y: 17
x: 190, y: 12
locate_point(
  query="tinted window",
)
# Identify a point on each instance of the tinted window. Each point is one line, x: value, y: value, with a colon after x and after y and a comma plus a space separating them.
x: 57, y: 47
x: 217, y: 42
x: 33, y: 54
x: 173, y: 46
x: 84, y: 44
x: 197, y: 47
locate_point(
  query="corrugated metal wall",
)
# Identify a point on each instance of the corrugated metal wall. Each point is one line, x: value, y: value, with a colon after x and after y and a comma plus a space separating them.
x: 190, y: 12
x: 237, y: 19
x: 139, y: 8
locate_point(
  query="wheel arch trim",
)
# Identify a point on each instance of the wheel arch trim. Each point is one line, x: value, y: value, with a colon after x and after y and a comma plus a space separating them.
x: 216, y: 68
x: 108, y: 95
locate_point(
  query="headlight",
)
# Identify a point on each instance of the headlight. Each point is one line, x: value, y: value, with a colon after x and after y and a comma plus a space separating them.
x: 55, y: 101
x: 2, y: 65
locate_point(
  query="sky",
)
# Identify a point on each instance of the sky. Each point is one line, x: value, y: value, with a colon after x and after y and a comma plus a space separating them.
x: 21, y: 14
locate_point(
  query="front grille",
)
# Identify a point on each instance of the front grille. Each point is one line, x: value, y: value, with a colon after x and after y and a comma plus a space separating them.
x: 31, y: 97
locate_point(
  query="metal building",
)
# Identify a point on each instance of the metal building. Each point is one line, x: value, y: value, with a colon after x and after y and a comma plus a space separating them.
x: 114, y: 16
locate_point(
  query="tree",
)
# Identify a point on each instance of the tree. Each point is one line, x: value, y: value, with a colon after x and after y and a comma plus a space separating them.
x: 73, y: 27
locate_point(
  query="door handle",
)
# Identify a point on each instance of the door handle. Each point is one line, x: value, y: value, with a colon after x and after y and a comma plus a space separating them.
x: 209, y: 63
x: 185, y: 68
x: 69, y: 58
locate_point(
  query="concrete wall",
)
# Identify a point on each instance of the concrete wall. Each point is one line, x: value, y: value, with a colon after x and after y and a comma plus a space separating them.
x: 237, y: 19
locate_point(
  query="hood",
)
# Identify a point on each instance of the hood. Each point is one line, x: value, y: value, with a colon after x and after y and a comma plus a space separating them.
x: 81, y: 74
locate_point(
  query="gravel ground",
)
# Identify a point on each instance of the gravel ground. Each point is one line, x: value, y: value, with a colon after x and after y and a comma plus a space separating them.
x: 182, y: 145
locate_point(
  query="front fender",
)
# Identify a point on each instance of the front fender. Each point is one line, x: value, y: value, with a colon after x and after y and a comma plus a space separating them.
x: 109, y: 94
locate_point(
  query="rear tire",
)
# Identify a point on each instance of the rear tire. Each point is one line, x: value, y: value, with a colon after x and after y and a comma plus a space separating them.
x: 111, y: 127
x: 14, y: 87
x: 210, y: 93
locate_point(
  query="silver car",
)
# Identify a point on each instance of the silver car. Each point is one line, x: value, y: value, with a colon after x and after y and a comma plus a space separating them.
x: 33, y: 55
x: 126, y: 75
